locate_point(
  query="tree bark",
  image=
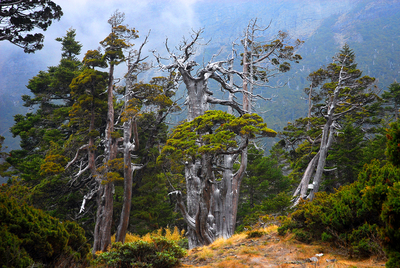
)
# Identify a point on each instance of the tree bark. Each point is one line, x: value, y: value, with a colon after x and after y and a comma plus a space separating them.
x: 301, y: 191
x: 197, y: 106
x: 128, y: 146
x: 197, y: 94
x: 246, y: 96
x: 211, y: 205
x: 326, y: 142
x: 102, y: 232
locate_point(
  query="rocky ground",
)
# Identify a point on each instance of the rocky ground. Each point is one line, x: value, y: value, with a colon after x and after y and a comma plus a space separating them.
x: 271, y: 250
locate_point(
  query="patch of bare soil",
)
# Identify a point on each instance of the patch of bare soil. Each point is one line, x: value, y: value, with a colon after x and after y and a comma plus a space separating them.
x: 271, y: 250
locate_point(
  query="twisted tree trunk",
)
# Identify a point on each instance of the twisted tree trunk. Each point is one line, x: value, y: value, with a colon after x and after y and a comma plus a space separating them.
x: 102, y: 231
x: 128, y: 146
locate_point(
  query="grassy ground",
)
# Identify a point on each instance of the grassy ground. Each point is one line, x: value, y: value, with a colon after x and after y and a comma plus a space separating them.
x: 270, y: 250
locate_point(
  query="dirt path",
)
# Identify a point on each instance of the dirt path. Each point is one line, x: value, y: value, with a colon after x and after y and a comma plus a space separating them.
x: 270, y: 250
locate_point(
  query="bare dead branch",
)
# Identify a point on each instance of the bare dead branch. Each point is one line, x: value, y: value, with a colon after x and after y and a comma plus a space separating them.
x: 232, y: 104
x: 83, y: 147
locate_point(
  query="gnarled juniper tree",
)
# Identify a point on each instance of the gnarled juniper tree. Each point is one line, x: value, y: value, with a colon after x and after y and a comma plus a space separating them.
x: 211, y: 148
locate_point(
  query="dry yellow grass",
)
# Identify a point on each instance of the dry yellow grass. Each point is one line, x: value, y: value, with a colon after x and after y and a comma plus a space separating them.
x: 270, y: 250
x: 270, y: 229
x: 204, y: 253
x: 174, y: 235
x: 222, y: 242
x: 231, y: 264
x: 251, y: 250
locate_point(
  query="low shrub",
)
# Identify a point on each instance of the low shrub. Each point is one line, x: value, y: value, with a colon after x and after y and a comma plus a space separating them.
x: 326, y: 237
x: 255, y: 234
x: 159, y: 253
x: 340, y: 218
x: 30, y: 236
x: 362, y: 217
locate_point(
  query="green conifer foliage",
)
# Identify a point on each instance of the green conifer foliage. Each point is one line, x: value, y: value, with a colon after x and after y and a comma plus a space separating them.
x: 19, y: 17
x: 391, y: 207
x: 29, y: 235
x: 61, y: 124
x: 393, y: 144
x: 118, y: 39
x: 346, y: 156
x: 52, y: 98
x: 361, y: 216
x: 264, y: 189
x: 86, y: 91
x: 159, y: 253
x: 213, y: 134
x: 392, y: 100
x: 70, y: 47
x: 3, y: 165
x: 341, y: 101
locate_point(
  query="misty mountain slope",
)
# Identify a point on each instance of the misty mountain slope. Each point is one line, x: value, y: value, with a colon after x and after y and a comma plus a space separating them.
x: 370, y: 27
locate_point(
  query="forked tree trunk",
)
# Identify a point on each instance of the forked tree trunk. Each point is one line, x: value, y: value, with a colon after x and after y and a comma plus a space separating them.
x: 301, y: 191
x: 211, y: 205
x: 195, y: 172
x: 327, y: 134
x: 102, y: 231
x: 327, y: 138
x: 128, y: 146
x: 319, y: 160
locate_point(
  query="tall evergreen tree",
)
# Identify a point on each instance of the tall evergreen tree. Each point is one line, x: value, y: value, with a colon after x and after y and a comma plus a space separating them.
x: 392, y: 99
x: 345, y: 156
x: 264, y: 188
x: 52, y: 101
x: 336, y: 92
x: 114, y: 45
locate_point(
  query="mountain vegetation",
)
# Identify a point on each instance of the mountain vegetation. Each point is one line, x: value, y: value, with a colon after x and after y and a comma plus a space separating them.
x: 360, y: 217
x: 98, y: 165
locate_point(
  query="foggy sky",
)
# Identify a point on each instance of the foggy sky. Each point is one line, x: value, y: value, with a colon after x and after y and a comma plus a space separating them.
x: 173, y: 18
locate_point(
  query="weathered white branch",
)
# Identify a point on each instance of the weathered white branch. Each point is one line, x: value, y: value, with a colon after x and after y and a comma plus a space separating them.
x: 81, y: 171
x: 87, y: 197
x: 232, y: 104
x: 83, y: 147
x: 330, y: 169
x: 301, y: 190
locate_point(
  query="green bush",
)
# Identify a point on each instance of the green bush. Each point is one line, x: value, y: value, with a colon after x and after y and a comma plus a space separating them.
x: 286, y: 225
x: 362, y: 216
x: 302, y: 236
x: 326, y: 237
x: 160, y: 253
x: 255, y: 234
x: 391, y: 206
x: 341, y: 218
x: 11, y: 252
x: 28, y: 235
